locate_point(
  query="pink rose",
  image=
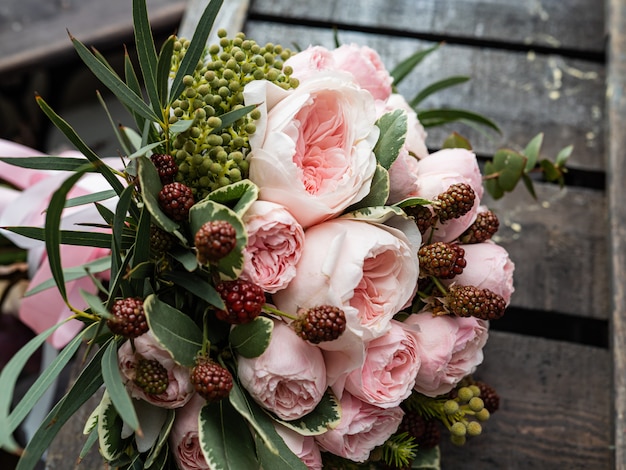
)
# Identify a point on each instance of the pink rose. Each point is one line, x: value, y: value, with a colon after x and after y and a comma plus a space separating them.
x: 391, y: 365
x: 450, y: 348
x: 310, y: 61
x: 488, y: 267
x: 184, y: 436
x: 362, y: 428
x: 366, y: 67
x: 437, y: 172
x: 289, y: 378
x: 304, y: 447
x: 312, y: 151
x: 275, y: 241
x: 403, y: 181
x: 179, y: 390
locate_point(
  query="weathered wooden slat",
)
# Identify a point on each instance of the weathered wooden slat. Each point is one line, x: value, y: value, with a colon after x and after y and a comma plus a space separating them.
x: 35, y: 33
x: 616, y: 192
x: 524, y: 93
x: 554, y: 409
x: 575, y: 24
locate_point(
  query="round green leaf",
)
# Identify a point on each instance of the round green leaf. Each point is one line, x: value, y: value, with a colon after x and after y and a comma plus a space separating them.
x: 251, y: 339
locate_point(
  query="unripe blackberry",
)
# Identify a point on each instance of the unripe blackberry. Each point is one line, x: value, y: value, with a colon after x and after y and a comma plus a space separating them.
x: 151, y: 376
x: 422, y: 215
x: 490, y: 397
x: 244, y: 301
x: 442, y: 260
x: 455, y: 202
x: 426, y: 432
x: 166, y: 167
x: 465, y: 301
x: 484, y: 227
x: 128, y: 318
x: 214, y: 240
x: 212, y: 381
x: 160, y: 240
x: 318, y: 324
x: 175, y: 199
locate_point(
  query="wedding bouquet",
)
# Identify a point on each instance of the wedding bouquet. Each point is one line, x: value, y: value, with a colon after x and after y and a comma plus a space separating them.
x: 275, y: 274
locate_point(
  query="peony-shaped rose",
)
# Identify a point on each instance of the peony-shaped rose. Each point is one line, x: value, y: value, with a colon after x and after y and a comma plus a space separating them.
x: 367, y: 68
x: 310, y: 61
x: 450, y: 348
x: 392, y: 362
x: 488, y: 267
x: 289, y: 378
x: 361, y: 429
x: 275, y: 241
x: 312, y: 151
x: 179, y: 390
x: 304, y: 447
x: 184, y: 436
x: 403, y: 178
x: 437, y: 172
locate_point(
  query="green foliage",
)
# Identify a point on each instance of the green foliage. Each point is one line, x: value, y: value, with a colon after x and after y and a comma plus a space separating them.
x: 252, y: 339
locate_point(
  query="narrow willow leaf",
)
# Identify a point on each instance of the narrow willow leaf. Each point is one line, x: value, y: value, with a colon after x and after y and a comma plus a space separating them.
x: 407, y: 65
x: 427, y: 459
x: 252, y: 339
x: 92, y: 438
x: 133, y: 85
x: 121, y: 209
x: 199, y: 287
x: 163, y: 67
x: 531, y: 152
x: 229, y: 118
x: 109, y: 429
x: 47, y: 162
x: 437, y: 117
x: 75, y: 272
x: 115, y: 387
x: 67, y: 237
x: 284, y: 459
x: 181, y: 125
x: 196, y: 48
x: 224, y: 438
x: 114, y: 83
x: 8, y: 378
x: 106, y: 213
x: 393, y: 130
x: 436, y: 87
x: 379, y: 191
x: 45, y: 380
x: 90, y: 198
x: 115, y: 128
x: 87, y: 383
x: 174, y: 330
x: 325, y: 416
x: 150, y: 187
x: 95, y: 304
x: 141, y: 256
x: 146, y: 52
x: 231, y: 265
x: 80, y: 145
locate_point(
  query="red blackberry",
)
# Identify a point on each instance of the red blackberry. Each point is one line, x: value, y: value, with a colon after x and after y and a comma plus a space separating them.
x: 160, y: 241
x: 465, y: 301
x: 442, y: 260
x: 484, y: 227
x: 166, y: 167
x: 175, y: 199
x: 425, y: 431
x: 422, y: 215
x: 214, y: 240
x: 455, y: 202
x: 212, y: 381
x: 317, y: 324
x: 129, y: 319
x: 244, y: 301
x: 489, y: 395
x: 151, y: 376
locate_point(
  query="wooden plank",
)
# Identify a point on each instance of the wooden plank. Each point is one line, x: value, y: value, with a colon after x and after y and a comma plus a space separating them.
x: 34, y: 33
x: 524, y: 93
x: 554, y: 408
x: 575, y: 24
x: 616, y: 192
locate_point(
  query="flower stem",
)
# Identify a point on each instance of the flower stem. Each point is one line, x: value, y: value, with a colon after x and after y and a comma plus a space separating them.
x: 280, y: 313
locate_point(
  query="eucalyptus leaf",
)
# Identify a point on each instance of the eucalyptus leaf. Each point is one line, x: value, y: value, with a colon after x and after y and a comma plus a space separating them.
x: 510, y: 165
x: 252, y: 339
x: 491, y: 183
x: 531, y: 152
x: 563, y: 155
x: 174, y: 330
x: 530, y: 187
x: 224, y: 438
x: 116, y: 388
x: 393, y: 131
x: 326, y: 415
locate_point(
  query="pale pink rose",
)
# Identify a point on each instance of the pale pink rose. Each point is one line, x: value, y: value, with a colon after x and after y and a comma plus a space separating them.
x: 275, y: 241
x: 304, y: 447
x: 366, y: 67
x: 289, y: 378
x: 310, y: 61
x: 184, y: 436
x: 19, y: 177
x: 450, y: 349
x: 488, y: 267
x: 403, y: 181
x: 179, y: 390
x: 437, y: 172
x: 391, y: 365
x: 313, y: 149
x: 362, y: 428
x: 415, y: 141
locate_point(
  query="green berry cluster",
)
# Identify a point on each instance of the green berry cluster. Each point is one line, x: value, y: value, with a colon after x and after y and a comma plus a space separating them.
x: 209, y: 154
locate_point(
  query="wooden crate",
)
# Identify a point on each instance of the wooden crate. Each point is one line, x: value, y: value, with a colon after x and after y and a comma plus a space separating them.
x: 557, y: 357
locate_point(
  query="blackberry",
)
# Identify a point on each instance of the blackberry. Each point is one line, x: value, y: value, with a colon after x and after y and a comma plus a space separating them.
x: 175, y: 199
x: 465, y: 301
x: 214, y: 240
x: 166, y: 167
x: 442, y: 260
x: 151, y: 376
x: 455, y: 202
x: 422, y: 215
x: 489, y: 395
x: 244, y: 301
x: 484, y: 227
x: 212, y: 381
x: 318, y: 324
x: 160, y: 241
x: 425, y: 431
x: 129, y: 319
